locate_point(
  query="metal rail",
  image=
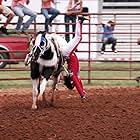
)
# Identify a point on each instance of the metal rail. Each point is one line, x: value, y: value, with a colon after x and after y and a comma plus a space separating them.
x: 125, y: 55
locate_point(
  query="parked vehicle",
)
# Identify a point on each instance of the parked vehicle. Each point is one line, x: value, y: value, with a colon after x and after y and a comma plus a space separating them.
x: 13, y: 47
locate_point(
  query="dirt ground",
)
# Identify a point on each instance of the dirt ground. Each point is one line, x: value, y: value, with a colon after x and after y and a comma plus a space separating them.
x: 107, y: 114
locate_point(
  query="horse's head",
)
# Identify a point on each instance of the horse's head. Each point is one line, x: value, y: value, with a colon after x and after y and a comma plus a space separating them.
x: 41, y: 44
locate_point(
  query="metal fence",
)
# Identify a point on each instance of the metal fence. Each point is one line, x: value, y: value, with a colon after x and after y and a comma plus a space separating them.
x: 94, y: 66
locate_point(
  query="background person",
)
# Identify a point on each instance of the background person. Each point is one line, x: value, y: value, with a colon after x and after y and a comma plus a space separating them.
x: 107, y: 37
x: 21, y: 10
x: 46, y: 9
x: 9, y: 14
x: 73, y: 9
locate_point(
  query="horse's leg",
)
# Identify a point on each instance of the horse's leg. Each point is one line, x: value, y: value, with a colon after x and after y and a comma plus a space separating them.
x: 55, y: 81
x: 35, y: 83
x: 42, y: 89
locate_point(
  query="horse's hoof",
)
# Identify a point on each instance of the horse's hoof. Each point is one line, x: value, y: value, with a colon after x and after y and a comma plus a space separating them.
x: 40, y: 98
x: 34, y: 107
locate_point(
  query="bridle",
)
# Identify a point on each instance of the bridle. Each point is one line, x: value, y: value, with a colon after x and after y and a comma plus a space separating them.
x: 43, y: 45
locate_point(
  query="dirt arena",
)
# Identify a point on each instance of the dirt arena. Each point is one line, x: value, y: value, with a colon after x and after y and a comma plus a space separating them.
x: 108, y: 114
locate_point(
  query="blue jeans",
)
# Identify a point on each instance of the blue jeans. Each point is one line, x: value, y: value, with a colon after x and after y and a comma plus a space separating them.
x: 68, y: 19
x: 21, y: 11
x: 110, y: 40
x: 48, y: 20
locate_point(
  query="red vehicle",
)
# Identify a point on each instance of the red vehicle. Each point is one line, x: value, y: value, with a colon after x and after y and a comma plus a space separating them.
x: 12, y: 48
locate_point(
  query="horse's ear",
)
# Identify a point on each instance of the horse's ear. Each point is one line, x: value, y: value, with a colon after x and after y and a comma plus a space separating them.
x: 43, y: 34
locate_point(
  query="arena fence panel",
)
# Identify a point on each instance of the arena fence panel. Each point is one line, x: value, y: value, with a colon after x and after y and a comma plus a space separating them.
x: 123, y: 65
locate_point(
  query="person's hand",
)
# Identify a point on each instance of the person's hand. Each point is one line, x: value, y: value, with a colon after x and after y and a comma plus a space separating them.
x: 77, y: 3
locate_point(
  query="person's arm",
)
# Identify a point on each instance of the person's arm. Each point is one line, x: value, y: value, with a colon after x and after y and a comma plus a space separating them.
x: 113, y: 26
x: 69, y: 5
x: 76, y: 9
x: 79, y: 3
x: 103, y: 25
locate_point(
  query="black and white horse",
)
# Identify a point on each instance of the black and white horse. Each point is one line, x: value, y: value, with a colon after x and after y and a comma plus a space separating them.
x: 46, y: 61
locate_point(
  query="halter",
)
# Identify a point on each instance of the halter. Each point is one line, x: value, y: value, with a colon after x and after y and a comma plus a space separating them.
x: 44, y: 45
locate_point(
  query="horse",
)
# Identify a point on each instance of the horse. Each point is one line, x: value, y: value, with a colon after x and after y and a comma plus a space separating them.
x: 46, y: 61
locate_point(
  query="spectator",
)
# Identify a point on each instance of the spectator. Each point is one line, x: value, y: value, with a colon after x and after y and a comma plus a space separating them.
x: 47, y: 9
x: 107, y: 37
x: 21, y: 10
x: 73, y: 9
x: 7, y: 12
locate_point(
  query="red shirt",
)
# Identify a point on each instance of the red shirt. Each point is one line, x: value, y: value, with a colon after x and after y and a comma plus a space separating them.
x: 47, y: 4
x: 20, y: 2
x: 0, y: 2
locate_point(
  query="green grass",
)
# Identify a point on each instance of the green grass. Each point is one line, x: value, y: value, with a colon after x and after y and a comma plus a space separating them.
x: 100, y: 71
x: 111, y: 71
